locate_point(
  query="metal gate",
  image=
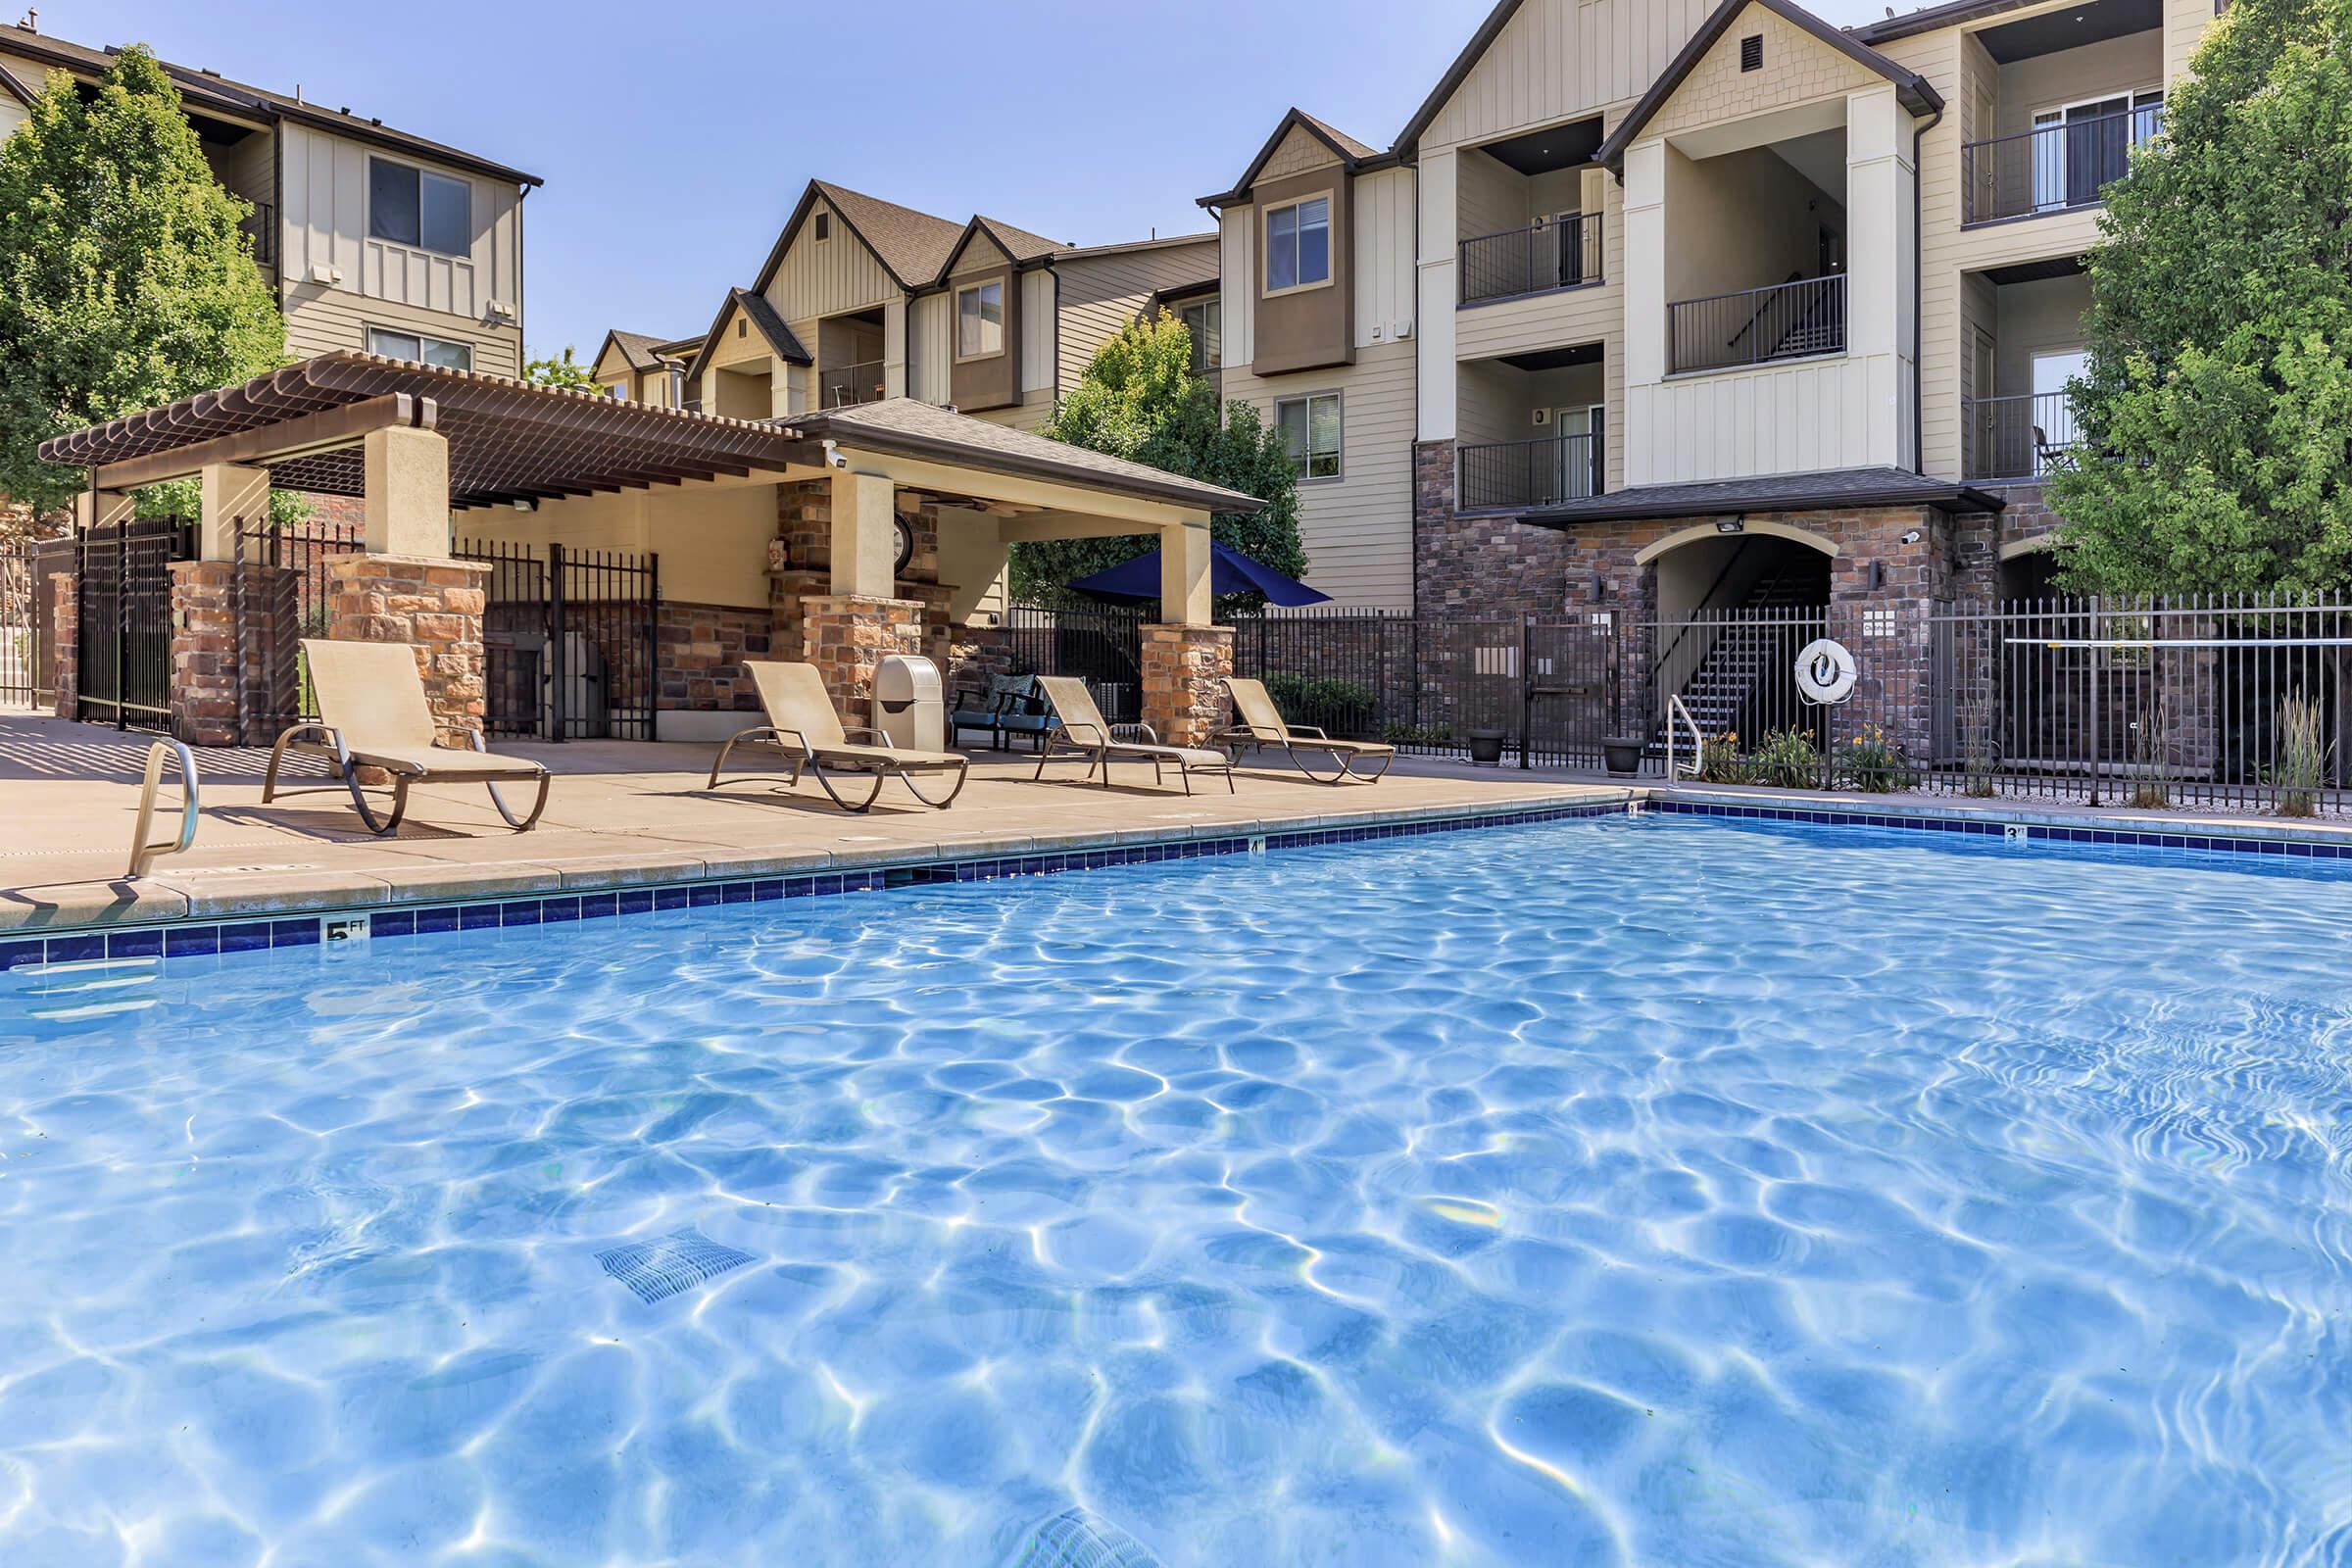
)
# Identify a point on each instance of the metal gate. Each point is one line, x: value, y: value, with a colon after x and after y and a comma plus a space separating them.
x: 1101, y: 644
x: 569, y: 641
x: 284, y: 587
x: 122, y: 674
x: 19, y: 626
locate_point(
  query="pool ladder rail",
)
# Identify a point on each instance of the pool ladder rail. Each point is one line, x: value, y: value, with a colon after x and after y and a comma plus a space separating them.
x: 143, y: 850
x: 1677, y: 709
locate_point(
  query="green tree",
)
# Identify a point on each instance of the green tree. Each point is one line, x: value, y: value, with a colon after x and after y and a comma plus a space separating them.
x: 562, y: 371
x: 126, y: 279
x: 2217, y: 405
x: 1140, y: 400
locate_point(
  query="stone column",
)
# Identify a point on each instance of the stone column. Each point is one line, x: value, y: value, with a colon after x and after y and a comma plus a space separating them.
x: 435, y: 605
x: 204, y: 654
x: 846, y: 635
x: 65, y: 659
x: 1184, y: 700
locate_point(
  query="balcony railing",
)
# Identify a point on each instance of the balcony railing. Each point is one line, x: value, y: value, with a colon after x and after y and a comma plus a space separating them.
x: 2053, y: 168
x: 850, y: 384
x: 2018, y: 437
x: 1789, y: 320
x: 1530, y: 473
x: 1562, y: 254
x: 261, y: 225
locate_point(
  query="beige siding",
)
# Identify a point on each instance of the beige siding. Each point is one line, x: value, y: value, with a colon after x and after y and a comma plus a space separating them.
x: 1038, y: 349
x: 2108, y: 68
x: 321, y: 319
x: 930, y: 347
x: 1560, y: 59
x: 1791, y: 419
x: 1383, y: 239
x: 324, y: 219
x: 1237, y: 266
x: 1358, y: 528
x: 1798, y: 69
x: 1099, y: 294
x: 1300, y: 151
x: 2185, y: 23
x: 1030, y: 414
x: 825, y: 279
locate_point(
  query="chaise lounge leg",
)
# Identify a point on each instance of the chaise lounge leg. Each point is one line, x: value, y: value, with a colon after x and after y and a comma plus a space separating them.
x: 538, y: 806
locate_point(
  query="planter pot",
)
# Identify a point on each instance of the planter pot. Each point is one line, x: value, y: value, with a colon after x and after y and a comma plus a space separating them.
x: 1622, y: 755
x: 1486, y: 745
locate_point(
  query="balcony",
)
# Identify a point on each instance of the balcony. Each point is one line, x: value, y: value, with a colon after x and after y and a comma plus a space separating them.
x: 261, y: 225
x: 1793, y: 321
x: 2023, y: 437
x: 1537, y: 259
x: 850, y: 384
x: 1510, y: 475
x: 2062, y: 165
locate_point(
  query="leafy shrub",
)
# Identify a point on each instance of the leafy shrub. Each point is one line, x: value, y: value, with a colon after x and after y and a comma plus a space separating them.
x: 1873, y: 764
x: 1787, y: 758
x: 1396, y: 734
x: 1340, y: 707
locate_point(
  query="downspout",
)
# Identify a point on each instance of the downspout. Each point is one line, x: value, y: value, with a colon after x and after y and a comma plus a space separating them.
x: 1919, y: 406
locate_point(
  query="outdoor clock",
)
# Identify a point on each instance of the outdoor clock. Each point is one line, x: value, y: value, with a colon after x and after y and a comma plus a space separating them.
x: 905, y: 532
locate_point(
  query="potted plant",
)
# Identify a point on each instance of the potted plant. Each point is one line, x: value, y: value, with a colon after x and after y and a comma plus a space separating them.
x: 1486, y: 745
x: 1622, y: 753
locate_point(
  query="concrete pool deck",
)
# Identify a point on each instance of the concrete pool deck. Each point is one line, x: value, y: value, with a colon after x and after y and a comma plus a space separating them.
x: 634, y: 814
x: 620, y: 813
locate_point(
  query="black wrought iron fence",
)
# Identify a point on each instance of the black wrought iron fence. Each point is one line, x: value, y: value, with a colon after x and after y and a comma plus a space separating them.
x: 1563, y: 253
x: 2052, y: 168
x: 2022, y: 437
x: 569, y: 640
x: 1758, y: 325
x: 283, y: 592
x: 123, y: 669
x: 1099, y: 644
x: 21, y: 625
x: 1530, y: 473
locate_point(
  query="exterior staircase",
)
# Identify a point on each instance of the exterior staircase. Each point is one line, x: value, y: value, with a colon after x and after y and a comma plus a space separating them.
x: 1722, y: 692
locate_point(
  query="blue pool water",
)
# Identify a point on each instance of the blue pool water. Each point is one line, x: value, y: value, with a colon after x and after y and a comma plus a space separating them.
x: 1655, y: 1192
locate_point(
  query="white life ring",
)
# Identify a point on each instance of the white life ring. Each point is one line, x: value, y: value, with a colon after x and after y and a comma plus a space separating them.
x: 1825, y: 672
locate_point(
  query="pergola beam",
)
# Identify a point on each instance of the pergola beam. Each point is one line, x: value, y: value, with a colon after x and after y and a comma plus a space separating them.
x: 323, y: 432
x: 1038, y: 525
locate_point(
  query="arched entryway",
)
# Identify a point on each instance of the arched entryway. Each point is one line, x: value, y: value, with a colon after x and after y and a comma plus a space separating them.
x: 1734, y: 602
x: 1737, y: 564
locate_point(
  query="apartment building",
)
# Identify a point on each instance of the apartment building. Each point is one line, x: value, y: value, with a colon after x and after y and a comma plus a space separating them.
x: 372, y: 238
x: 862, y: 299
x: 1662, y: 304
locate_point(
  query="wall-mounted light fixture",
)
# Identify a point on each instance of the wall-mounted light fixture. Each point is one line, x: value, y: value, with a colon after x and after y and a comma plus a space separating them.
x: 1730, y: 525
x: 525, y: 504
x: 1912, y: 538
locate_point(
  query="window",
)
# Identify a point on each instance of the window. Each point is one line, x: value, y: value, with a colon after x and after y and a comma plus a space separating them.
x: 1204, y: 320
x: 424, y: 350
x: 1311, y: 429
x: 2079, y: 149
x: 1298, y: 245
x: 410, y: 207
x: 980, y: 320
x: 824, y: 228
x: 1751, y: 51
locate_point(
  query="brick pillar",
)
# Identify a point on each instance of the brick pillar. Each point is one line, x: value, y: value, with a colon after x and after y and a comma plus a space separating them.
x: 204, y: 654
x: 805, y: 532
x: 1184, y: 700
x: 846, y: 635
x: 66, y: 624
x: 435, y: 605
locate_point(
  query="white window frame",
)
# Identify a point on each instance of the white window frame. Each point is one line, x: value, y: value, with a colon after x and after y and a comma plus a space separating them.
x: 1339, y: 460
x: 1003, y: 286
x: 1265, y: 244
x: 1208, y: 349
x: 2049, y: 159
x: 422, y: 174
x: 421, y: 340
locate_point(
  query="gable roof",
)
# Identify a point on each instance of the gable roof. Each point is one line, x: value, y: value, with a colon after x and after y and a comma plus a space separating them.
x: 1409, y: 138
x: 1354, y: 156
x: 765, y: 321
x: 207, y: 92
x: 639, y: 351
x: 912, y: 246
x: 1912, y: 88
x: 1023, y: 248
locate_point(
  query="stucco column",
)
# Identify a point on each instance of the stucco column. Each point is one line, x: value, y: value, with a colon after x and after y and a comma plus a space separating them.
x: 1880, y: 249
x: 407, y: 493
x: 864, y: 535
x: 232, y: 495
x: 105, y: 507
x: 1184, y: 576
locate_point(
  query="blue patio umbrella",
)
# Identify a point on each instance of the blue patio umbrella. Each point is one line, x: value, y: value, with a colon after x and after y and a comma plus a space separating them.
x: 1229, y: 572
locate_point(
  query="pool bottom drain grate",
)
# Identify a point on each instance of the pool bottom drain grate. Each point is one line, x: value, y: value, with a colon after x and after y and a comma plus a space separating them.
x: 1076, y: 1539
x: 661, y: 1268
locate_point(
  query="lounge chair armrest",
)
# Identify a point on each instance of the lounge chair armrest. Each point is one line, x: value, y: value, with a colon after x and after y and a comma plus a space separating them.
x: 1071, y: 731
x: 1313, y: 730
x: 879, y: 738
x: 1151, y: 736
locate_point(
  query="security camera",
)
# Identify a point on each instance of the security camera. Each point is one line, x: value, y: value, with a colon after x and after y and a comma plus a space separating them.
x: 833, y: 457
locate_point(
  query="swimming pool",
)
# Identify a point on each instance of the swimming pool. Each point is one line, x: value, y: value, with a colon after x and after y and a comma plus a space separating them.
x: 1626, y: 1191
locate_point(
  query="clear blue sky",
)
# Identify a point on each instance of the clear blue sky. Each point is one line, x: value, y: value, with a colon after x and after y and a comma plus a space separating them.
x: 674, y: 137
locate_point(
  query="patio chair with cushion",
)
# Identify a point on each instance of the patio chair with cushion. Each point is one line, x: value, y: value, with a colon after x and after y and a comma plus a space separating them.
x: 1080, y: 728
x: 1007, y: 705
x: 372, y: 713
x: 803, y: 726
x: 1258, y: 723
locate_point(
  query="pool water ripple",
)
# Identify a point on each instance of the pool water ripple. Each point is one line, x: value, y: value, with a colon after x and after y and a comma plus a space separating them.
x: 1629, y: 1192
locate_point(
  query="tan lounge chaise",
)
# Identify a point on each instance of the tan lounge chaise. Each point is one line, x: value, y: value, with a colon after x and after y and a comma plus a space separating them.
x: 803, y: 726
x: 1257, y: 723
x: 372, y: 713
x: 1079, y: 727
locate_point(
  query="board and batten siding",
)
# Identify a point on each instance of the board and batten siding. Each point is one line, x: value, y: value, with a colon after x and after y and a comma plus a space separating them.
x: 1558, y: 60
x: 338, y: 280
x: 828, y: 277
x: 1101, y: 294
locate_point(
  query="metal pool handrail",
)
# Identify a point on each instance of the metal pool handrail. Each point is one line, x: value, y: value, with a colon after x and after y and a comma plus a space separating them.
x: 143, y: 853
x: 1677, y: 709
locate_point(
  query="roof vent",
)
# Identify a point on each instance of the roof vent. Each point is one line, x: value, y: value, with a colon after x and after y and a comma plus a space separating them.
x: 1751, y: 51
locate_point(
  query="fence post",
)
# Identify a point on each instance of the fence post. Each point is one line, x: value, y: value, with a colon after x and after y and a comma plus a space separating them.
x: 555, y: 640
x: 1527, y: 689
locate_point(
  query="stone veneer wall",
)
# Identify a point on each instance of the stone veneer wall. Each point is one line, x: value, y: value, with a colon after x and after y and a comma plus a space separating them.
x: 66, y: 621
x: 805, y: 526
x: 1478, y: 569
x: 435, y: 605
x: 846, y: 635
x: 228, y: 686
x: 699, y: 652
x: 1184, y: 700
